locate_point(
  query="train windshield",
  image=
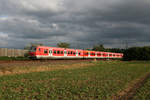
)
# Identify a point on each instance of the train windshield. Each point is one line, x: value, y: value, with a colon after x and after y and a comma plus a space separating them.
x: 32, y: 49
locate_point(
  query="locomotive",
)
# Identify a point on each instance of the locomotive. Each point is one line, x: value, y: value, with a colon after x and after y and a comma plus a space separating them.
x: 45, y: 52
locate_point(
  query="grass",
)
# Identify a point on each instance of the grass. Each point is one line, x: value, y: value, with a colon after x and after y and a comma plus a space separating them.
x: 5, y: 58
x: 100, y: 81
x: 144, y: 92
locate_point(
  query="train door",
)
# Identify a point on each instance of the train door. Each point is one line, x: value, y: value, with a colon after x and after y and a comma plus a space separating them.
x: 50, y: 52
x: 89, y: 53
x: 76, y: 52
x: 65, y: 53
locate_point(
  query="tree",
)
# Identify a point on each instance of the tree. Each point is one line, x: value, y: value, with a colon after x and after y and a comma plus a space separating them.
x: 63, y: 45
x: 99, y: 47
x: 137, y: 53
x: 115, y: 50
x: 29, y: 46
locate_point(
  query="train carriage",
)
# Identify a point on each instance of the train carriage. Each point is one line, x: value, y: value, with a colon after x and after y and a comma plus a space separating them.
x: 45, y: 52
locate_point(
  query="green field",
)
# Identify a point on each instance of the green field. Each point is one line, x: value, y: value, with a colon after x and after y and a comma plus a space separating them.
x: 5, y: 58
x: 101, y: 81
x: 144, y: 92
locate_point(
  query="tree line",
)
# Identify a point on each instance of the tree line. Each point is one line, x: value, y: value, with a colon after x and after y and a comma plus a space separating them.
x: 137, y: 53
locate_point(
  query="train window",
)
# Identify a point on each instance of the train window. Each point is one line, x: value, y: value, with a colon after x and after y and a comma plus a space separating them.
x: 58, y: 52
x: 86, y: 53
x: 79, y: 53
x: 110, y: 54
x: 113, y: 54
x: 62, y: 52
x: 33, y: 49
x: 71, y: 52
x: 45, y: 51
x: 54, y: 51
x: 68, y: 52
x: 39, y: 49
x: 92, y: 54
x: 99, y: 54
x: 74, y: 53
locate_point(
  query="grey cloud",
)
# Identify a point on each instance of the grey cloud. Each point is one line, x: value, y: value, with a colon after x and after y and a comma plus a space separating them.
x: 83, y: 23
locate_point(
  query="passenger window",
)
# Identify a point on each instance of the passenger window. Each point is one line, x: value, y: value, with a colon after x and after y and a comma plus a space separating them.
x: 58, y: 52
x: 45, y: 51
x: 74, y: 53
x: 68, y: 52
x: 79, y: 53
x: 62, y: 52
x: 54, y: 51
x: 39, y: 49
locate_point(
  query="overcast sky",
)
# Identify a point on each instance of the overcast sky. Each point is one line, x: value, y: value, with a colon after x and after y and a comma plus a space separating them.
x: 82, y: 23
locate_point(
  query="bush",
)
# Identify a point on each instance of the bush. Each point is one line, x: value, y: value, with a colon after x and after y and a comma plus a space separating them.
x: 13, y: 58
x: 137, y: 53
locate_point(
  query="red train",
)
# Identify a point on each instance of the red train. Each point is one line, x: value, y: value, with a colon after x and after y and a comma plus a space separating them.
x: 41, y: 52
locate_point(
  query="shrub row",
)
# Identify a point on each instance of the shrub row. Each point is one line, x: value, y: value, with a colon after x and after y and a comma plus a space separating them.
x: 137, y: 53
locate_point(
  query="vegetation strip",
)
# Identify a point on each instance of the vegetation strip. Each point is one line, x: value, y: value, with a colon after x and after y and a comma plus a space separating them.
x: 45, y: 68
x: 129, y: 92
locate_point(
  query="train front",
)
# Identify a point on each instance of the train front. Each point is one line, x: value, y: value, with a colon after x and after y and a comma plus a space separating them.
x: 32, y: 53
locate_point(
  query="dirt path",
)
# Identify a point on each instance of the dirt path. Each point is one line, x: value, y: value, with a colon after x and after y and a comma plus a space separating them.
x: 129, y: 92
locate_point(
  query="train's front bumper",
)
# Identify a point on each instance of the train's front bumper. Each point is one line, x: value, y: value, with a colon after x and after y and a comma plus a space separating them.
x: 32, y: 55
